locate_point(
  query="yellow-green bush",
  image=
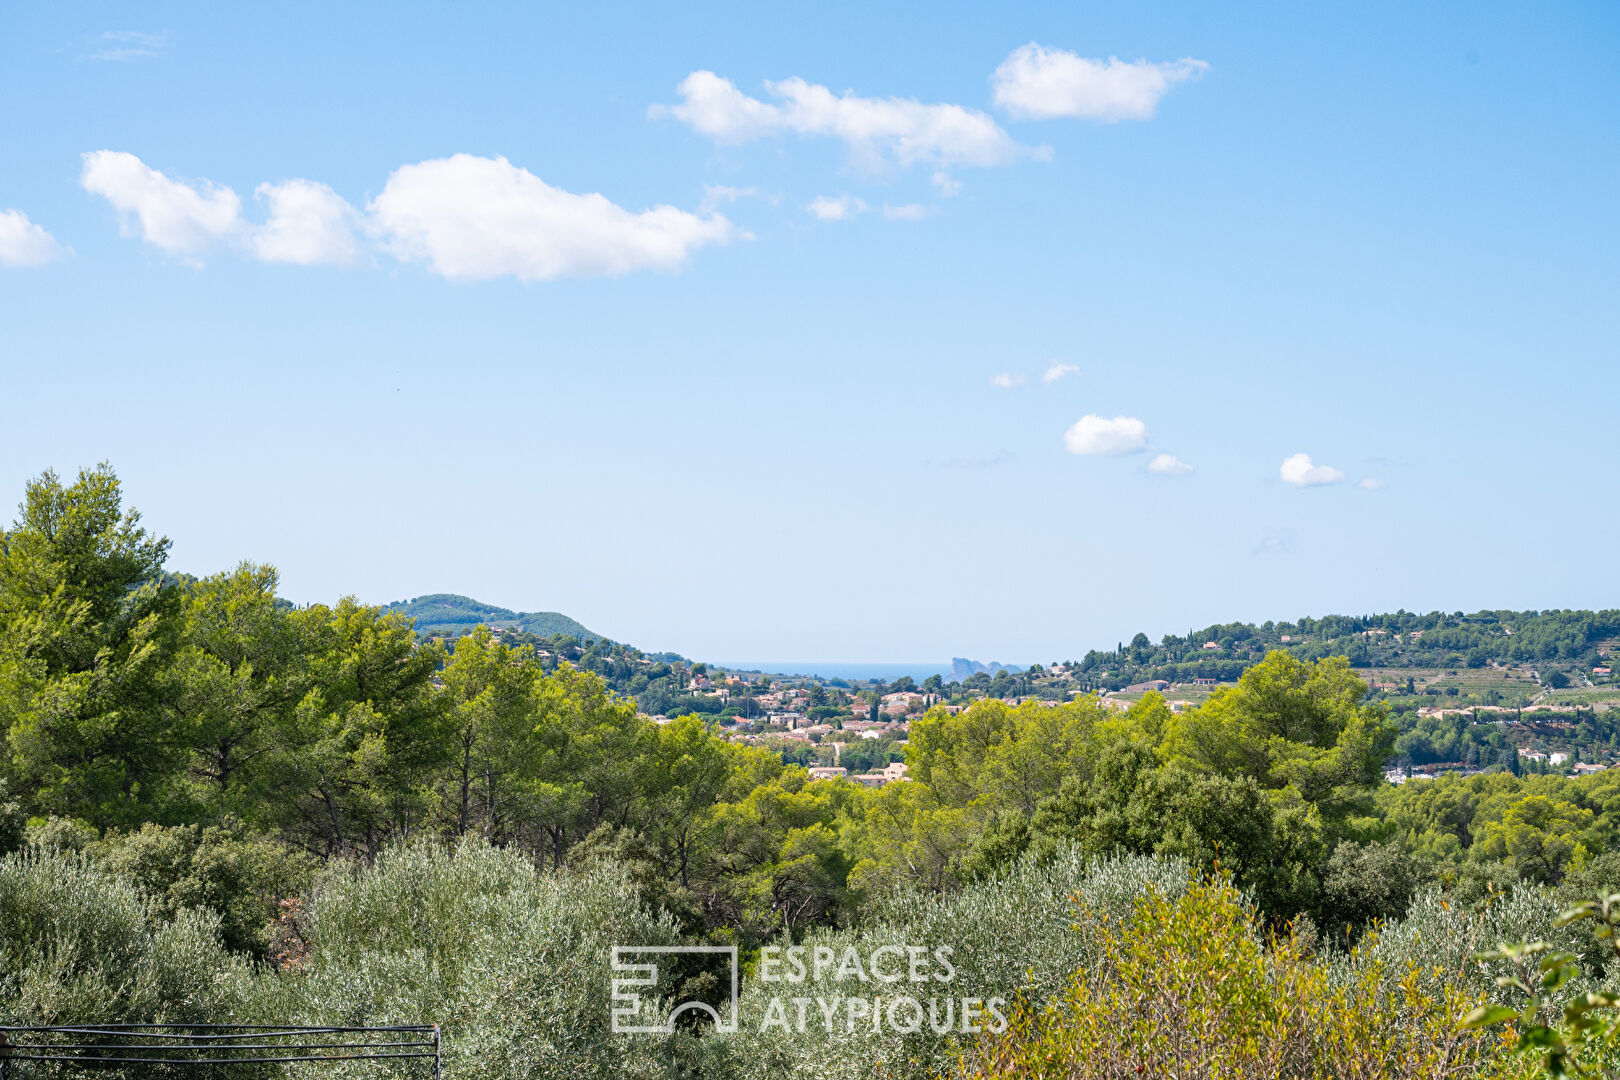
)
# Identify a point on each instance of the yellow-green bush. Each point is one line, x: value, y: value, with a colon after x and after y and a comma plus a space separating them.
x: 1187, y: 986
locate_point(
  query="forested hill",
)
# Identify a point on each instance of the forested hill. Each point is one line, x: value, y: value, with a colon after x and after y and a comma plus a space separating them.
x: 1568, y: 641
x: 1572, y: 639
x: 449, y: 615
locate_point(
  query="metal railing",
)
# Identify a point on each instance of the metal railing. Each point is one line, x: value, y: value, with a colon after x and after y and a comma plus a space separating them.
x: 114, y: 1045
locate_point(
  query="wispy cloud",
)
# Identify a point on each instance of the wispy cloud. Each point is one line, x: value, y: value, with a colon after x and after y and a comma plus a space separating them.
x: 878, y: 132
x: 1006, y: 380
x: 122, y: 46
x: 835, y: 208
x: 1276, y: 543
x: 1168, y: 465
x: 717, y: 195
x: 1038, y: 83
x: 905, y: 212
x: 1370, y: 483
x: 1057, y: 369
x: 1299, y: 471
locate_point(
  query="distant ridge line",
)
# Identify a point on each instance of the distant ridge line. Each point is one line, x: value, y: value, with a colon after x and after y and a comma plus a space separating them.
x: 452, y: 613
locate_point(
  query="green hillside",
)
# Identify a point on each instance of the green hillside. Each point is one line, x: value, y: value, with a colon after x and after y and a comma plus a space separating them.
x: 446, y: 614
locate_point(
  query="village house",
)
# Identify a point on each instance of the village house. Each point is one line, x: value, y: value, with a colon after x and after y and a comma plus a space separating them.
x: 895, y: 770
x: 903, y: 702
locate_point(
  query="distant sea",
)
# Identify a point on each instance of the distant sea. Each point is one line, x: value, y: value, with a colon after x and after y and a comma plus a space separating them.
x: 839, y: 670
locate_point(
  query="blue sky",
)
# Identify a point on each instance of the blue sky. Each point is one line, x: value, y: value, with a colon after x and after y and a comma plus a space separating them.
x: 435, y: 336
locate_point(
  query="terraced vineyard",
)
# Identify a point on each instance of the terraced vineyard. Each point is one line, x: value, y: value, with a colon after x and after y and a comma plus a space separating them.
x: 1517, y: 680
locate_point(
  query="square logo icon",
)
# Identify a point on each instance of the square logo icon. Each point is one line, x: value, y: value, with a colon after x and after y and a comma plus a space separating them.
x: 636, y: 968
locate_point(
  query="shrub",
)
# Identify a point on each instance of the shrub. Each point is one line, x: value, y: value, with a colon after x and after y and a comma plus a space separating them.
x: 1011, y: 935
x: 1441, y: 938
x: 79, y: 945
x: 239, y: 876
x: 12, y: 821
x: 1363, y: 882
x: 1185, y: 986
x: 58, y: 834
x: 511, y: 961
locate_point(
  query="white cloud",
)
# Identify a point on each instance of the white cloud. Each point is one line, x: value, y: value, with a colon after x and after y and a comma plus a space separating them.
x: 1058, y: 370
x: 907, y: 212
x: 1038, y: 83
x: 472, y: 218
x: 1169, y: 465
x: 946, y: 184
x: 1370, y: 483
x: 1007, y: 380
x: 126, y: 45
x: 309, y: 223
x: 180, y: 218
x: 468, y: 217
x: 1096, y: 435
x: 1299, y: 471
x: 22, y: 243
x: 875, y: 129
x: 841, y: 208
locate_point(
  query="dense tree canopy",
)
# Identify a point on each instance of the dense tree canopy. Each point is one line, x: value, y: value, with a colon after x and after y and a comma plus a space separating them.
x: 198, y: 733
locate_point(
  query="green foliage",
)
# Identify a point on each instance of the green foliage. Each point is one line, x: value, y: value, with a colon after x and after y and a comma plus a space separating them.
x: 1187, y: 985
x: 402, y: 829
x: 78, y: 945
x: 449, y: 614
x: 777, y: 864
x: 1013, y: 935
x: 239, y: 877
x: 59, y: 834
x: 1263, y: 779
x: 1362, y: 883
x: 1554, y: 640
x: 12, y: 821
x: 85, y: 631
x: 1583, y: 1037
x: 511, y: 960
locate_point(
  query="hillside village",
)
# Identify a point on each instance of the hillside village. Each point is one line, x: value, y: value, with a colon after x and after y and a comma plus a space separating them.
x: 1527, y: 692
